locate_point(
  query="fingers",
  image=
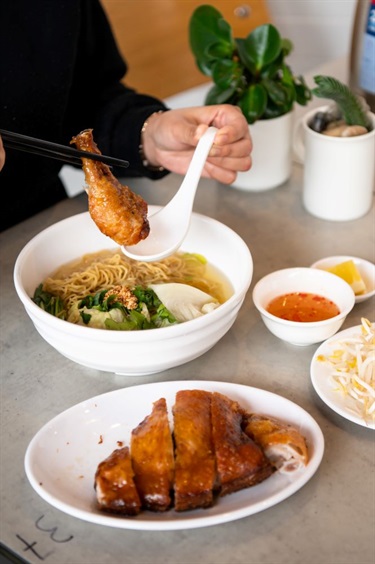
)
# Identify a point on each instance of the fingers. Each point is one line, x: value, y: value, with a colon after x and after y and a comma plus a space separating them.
x: 230, y: 122
x: 231, y: 151
x: 232, y: 134
x: 2, y: 154
x: 233, y: 137
x: 224, y: 161
x: 238, y: 149
x: 225, y: 174
x: 231, y: 163
x: 171, y: 138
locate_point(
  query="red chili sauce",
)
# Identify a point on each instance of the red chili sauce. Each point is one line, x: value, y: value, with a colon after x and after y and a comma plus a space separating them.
x: 302, y: 306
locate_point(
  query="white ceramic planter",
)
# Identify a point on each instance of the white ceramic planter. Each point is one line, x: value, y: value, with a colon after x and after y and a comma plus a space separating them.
x: 271, y: 155
x: 339, y: 172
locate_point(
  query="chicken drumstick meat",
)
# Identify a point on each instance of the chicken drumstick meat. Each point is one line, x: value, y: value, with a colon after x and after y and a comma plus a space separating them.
x: 117, y: 211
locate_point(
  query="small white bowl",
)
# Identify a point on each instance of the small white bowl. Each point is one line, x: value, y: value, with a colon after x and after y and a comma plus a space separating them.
x: 365, y: 268
x: 310, y: 280
x: 132, y: 353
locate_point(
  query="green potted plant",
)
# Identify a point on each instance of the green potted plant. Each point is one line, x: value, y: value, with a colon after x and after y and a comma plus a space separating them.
x: 251, y: 73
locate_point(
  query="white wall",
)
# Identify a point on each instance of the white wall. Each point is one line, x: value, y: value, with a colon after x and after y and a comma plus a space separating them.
x: 319, y: 29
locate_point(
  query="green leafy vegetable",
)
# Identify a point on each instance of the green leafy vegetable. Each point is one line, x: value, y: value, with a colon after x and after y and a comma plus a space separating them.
x: 348, y: 103
x: 50, y: 303
x: 86, y: 317
x: 134, y: 321
x: 160, y: 316
x: 150, y: 313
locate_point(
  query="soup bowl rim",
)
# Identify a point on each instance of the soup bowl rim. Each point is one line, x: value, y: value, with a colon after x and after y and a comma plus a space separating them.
x: 230, y: 306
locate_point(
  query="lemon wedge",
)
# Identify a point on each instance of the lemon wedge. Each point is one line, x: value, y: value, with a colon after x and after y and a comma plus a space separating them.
x: 349, y: 272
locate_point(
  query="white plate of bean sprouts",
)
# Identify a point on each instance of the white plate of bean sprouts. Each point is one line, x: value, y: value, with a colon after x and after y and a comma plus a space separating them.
x: 343, y: 373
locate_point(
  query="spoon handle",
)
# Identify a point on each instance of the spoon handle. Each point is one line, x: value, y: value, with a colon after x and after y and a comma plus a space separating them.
x: 189, y: 185
x: 170, y: 224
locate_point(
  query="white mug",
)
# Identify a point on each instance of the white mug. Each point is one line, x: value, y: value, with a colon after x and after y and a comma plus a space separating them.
x: 339, y: 172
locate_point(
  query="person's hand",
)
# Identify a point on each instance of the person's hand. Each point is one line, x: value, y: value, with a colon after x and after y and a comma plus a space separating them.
x: 171, y: 137
x: 2, y: 154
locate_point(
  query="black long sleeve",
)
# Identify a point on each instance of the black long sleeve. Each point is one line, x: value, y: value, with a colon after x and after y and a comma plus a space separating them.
x: 61, y: 72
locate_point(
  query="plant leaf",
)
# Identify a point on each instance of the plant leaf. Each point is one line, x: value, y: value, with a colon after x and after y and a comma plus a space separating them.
x: 227, y: 73
x: 218, y: 51
x: 253, y: 103
x: 263, y: 46
x: 245, y: 56
x: 286, y: 46
x: 282, y: 95
x: 207, y: 27
x: 303, y: 92
x: 347, y: 101
x: 218, y: 96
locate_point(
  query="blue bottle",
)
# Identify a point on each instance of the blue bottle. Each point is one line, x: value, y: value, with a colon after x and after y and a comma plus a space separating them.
x: 362, y: 56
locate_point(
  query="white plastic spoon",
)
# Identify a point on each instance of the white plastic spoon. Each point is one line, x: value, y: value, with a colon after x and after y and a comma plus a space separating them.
x: 170, y: 224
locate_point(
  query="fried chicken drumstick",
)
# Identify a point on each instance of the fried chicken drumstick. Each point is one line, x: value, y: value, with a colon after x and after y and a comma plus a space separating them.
x: 117, y: 211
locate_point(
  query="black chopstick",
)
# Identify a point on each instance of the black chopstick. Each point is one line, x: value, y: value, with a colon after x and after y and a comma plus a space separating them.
x: 43, y: 148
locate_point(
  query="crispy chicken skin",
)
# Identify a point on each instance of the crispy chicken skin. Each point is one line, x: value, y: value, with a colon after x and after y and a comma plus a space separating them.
x: 195, y: 467
x: 117, y: 211
x: 114, y: 484
x: 283, y: 445
x: 216, y: 448
x: 240, y: 462
x: 151, y: 447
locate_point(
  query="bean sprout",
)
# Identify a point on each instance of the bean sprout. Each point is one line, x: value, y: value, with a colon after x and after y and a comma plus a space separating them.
x: 353, y: 363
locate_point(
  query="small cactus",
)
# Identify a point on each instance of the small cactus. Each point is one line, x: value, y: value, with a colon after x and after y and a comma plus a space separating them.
x: 349, y: 104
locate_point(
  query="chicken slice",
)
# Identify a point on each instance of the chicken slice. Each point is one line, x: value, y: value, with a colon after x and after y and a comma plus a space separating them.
x: 195, y: 468
x: 152, y: 458
x: 282, y: 443
x: 117, y: 211
x: 240, y: 462
x: 114, y: 484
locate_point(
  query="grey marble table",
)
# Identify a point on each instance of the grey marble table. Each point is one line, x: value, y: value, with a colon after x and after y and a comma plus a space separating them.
x: 329, y: 521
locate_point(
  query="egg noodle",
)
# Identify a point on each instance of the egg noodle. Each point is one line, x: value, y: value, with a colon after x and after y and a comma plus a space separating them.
x: 353, y: 363
x: 105, y: 269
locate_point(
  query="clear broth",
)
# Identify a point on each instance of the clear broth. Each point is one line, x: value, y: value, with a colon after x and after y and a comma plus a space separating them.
x: 207, y: 277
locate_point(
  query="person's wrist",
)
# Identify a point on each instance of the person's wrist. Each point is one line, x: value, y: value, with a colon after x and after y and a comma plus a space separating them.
x: 145, y: 162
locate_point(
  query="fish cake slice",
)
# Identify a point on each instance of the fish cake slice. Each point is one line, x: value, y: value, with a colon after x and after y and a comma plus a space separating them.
x: 240, y: 462
x: 195, y: 467
x: 114, y: 484
x: 152, y: 455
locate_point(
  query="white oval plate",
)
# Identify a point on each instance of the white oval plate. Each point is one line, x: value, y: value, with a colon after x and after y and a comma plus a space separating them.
x: 365, y: 268
x: 320, y: 376
x: 62, y: 458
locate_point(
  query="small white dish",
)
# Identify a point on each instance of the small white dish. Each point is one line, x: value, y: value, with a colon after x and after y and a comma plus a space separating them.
x: 365, y: 268
x: 304, y: 280
x: 320, y: 373
x: 62, y: 458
